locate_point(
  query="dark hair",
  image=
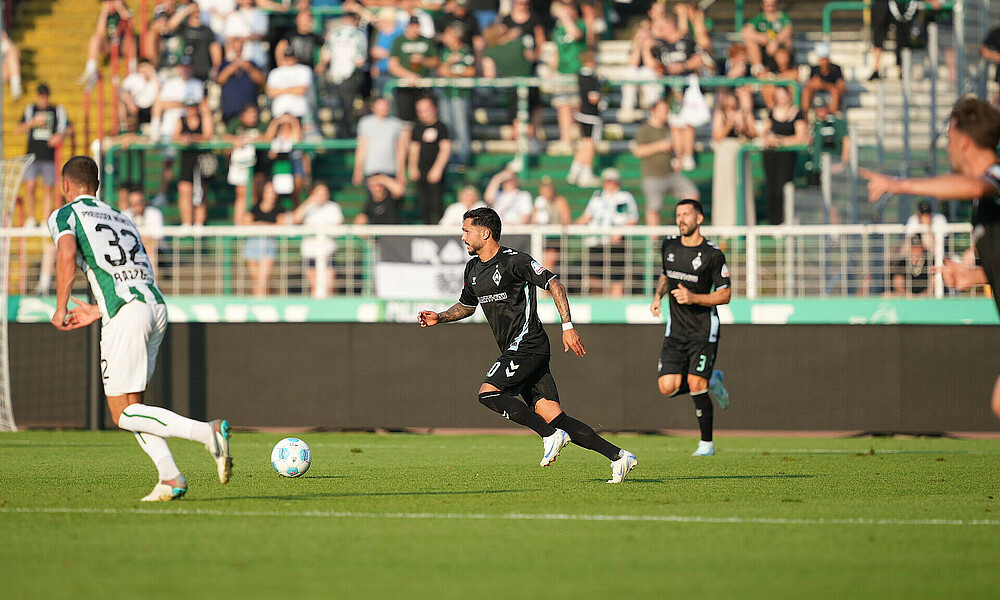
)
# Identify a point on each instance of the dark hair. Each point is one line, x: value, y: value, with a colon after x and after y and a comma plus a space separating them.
x: 694, y: 203
x: 82, y: 170
x: 978, y: 120
x: 485, y: 217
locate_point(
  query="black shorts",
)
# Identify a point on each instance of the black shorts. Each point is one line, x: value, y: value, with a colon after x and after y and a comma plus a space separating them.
x: 526, y: 375
x: 881, y: 21
x: 189, y: 162
x: 687, y: 357
x: 534, y: 101
x: 591, y: 126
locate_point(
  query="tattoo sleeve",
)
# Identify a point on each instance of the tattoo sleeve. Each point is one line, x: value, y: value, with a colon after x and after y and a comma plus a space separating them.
x: 558, y: 291
x: 456, y: 313
x: 661, y: 286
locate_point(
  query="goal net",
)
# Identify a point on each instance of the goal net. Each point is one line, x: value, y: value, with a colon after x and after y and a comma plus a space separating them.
x: 11, y: 172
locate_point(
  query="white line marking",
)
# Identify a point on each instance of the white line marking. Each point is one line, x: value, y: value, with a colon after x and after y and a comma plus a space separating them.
x: 502, y: 517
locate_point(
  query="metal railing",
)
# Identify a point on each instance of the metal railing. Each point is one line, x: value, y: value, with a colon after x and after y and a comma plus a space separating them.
x: 785, y: 261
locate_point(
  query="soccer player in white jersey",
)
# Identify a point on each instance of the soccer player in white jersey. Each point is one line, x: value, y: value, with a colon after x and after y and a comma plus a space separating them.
x: 107, y: 247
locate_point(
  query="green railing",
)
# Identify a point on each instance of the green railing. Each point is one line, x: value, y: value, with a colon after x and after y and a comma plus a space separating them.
x: 858, y: 6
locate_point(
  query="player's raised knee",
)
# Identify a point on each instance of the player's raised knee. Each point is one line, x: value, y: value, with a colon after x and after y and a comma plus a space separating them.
x: 667, y: 388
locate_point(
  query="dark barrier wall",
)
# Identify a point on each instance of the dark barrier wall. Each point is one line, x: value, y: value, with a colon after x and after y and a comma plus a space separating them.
x: 351, y: 375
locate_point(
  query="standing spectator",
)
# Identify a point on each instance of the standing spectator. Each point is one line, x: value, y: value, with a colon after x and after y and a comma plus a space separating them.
x: 457, y: 61
x: 288, y: 87
x: 386, y: 32
x: 303, y: 41
x: 763, y: 33
x: 784, y: 68
x: 829, y: 136
x: 250, y: 25
x: 243, y: 131
x: 468, y: 199
x: 199, y: 43
x: 260, y: 251
x: 11, y: 64
x: 892, y: 14
x: 927, y: 225
x: 385, y: 194
x: 240, y: 80
x: 733, y: 125
x: 381, y: 145
x: 785, y: 126
x: 137, y: 93
x: 430, y: 150
x: 196, y: 165
x: 653, y: 149
x: 148, y: 219
x: 214, y: 14
x: 163, y: 44
x: 610, y: 206
x: 107, y: 33
x: 456, y: 13
x: 990, y: 51
x: 910, y: 273
x: 825, y: 77
x: 175, y: 93
x: 412, y: 57
x: 670, y: 50
x: 505, y: 196
x: 591, y: 126
x: 570, y: 37
x: 319, y: 210
x: 343, y: 57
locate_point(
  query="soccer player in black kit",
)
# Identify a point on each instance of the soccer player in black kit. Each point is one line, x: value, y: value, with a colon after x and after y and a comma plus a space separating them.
x: 697, y: 278
x: 503, y: 282
x: 973, y: 136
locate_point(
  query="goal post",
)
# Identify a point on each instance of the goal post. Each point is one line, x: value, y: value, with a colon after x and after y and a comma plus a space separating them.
x: 11, y: 173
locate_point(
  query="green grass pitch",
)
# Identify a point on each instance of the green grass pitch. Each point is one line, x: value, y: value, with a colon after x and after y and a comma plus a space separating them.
x: 413, y: 516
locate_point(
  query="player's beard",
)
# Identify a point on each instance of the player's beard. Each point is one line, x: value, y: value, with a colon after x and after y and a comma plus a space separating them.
x: 689, y: 231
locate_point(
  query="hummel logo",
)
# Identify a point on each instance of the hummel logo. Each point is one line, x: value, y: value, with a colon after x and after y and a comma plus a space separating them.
x: 506, y: 416
x: 510, y: 370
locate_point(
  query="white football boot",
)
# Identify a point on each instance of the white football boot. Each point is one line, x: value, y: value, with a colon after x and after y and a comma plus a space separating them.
x: 621, y: 467
x: 219, y: 449
x: 553, y: 446
x: 164, y: 491
x: 705, y: 449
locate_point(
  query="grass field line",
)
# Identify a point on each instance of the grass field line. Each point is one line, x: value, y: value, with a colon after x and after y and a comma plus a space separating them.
x: 503, y: 517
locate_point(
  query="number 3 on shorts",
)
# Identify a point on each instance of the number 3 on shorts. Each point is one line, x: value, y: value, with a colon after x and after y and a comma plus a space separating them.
x: 493, y: 369
x: 701, y: 362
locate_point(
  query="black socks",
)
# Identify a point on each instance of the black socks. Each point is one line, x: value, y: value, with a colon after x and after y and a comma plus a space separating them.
x: 515, y: 410
x: 704, y: 412
x: 583, y: 435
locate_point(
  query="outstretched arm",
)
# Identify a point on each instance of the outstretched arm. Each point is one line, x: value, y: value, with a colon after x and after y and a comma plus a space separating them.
x: 429, y: 318
x: 953, y: 186
x: 571, y: 339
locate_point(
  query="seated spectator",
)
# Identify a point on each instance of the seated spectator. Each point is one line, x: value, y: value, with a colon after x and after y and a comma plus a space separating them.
x: 927, y: 225
x: 910, y: 273
x: 550, y: 208
x: 610, y: 206
x: 319, y: 210
x: 148, y: 219
x: 249, y: 24
x: 137, y: 93
x: 762, y: 35
x: 11, y: 65
x: 197, y: 166
x: 570, y: 37
x: 670, y: 51
x: 829, y: 136
x: 456, y: 13
x: 343, y: 59
x: 240, y: 80
x: 581, y: 171
x: 824, y: 77
x: 386, y: 32
x: 288, y: 86
x: 733, y: 124
x: 737, y: 67
x: 653, y: 147
x: 893, y: 14
x: 430, y: 150
x: 260, y: 252
x: 731, y: 120
x: 287, y: 170
x: 243, y: 131
x: 199, y: 42
x: 505, y: 196
x: 107, y: 33
x: 381, y: 145
x: 303, y: 41
x: 691, y: 19
x: 468, y: 199
x: 784, y: 68
x: 385, y: 194
x: 785, y: 126
x: 412, y: 57
x: 682, y: 133
x: 639, y: 69
x: 457, y: 61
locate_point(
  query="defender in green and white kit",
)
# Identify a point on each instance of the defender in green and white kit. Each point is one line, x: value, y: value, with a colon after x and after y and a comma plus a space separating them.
x: 107, y: 247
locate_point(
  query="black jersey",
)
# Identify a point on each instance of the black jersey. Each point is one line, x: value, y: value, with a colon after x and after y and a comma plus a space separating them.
x: 680, y: 51
x: 590, y: 91
x: 986, y: 229
x: 505, y: 287
x: 700, y: 269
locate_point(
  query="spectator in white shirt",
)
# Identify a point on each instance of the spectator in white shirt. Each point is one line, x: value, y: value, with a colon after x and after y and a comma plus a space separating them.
x: 928, y: 224
x: 249, y: 24
x: 288, y: 87
x: 148, y: 219
x: 319, y: 210
x: 215, y: 13
x: 343, y: 57
x: 382, y: 142
x: 468, y: 199
x: 138, y: 92
x: 611, y: 206
x: 505, y: 195
x: 175, y: 93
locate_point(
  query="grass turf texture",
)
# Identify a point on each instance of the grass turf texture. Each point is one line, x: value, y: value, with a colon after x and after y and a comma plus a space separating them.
x: 382, y: 516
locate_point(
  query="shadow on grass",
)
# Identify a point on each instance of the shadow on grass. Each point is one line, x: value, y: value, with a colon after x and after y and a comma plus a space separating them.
x: 362, y: 495
x: 694, y: 477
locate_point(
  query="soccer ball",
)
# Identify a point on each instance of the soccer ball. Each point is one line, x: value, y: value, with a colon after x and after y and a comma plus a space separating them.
x: 291, y: 457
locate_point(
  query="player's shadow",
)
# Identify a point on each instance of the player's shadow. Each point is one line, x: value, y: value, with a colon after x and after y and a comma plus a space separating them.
x: 696, y: 477
x: 365, y: 495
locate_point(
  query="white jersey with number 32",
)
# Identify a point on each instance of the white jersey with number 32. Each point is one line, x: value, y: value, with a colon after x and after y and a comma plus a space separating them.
x: 110, y: 252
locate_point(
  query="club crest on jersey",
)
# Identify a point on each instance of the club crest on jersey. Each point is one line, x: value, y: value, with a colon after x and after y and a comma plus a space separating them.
x: 696, y: 263
x: 496, y: 276
x: 537, y: 268
x: 670, y: 257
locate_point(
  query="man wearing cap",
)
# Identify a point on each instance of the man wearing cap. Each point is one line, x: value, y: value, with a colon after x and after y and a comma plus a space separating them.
x: 927, y: 223
x: 610, y: 206
x: 45, y: 123
x: 824, y: 77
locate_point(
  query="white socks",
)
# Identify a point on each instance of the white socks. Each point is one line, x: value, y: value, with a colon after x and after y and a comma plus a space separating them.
x: 91, y: 67
x: 158, y: 451
x: 163, y: 423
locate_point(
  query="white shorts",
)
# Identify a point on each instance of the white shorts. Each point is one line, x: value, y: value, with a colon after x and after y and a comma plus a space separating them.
x: 130, y: 342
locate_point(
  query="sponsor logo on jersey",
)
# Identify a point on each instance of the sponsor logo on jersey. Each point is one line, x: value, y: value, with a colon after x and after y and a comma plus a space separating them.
x: 670, y: 257
x: 682, y: 276
x: 510, y: 251
x: 696, y: 263
x: 725, y: 270
x: 492, y: 298
x: 537, y: 268
x: 496, y: 276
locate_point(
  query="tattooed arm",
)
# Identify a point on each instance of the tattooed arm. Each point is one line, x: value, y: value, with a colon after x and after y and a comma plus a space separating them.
x: 661, y: 290
x: 571, y: 339
x: 429, y: 318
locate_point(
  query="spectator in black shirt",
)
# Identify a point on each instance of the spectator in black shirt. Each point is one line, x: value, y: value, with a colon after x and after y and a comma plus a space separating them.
x: 824, y: 77
x: 385, y: 194
x: 196, y: 126
x: 200, y: 45
x: 785, y: 126
x: 430, y: 149
x: 304, y: 42
x: 45, y: 123
x: 670, y: 51
x: 457, y: 11
x: 910, y: 273
x: 581, y: 172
